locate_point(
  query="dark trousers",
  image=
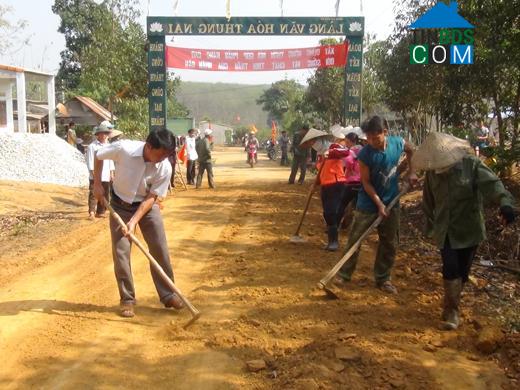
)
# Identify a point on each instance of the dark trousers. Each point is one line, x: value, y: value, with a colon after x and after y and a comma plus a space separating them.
x: 190, y: 171
x: 456, y: 263
x: 349, y: 195
x: 93, y: 205
x: 331, y: 200
x: 152, y: 228
x: 388, y: 231
x: 285, y: 158
x: 205, y: 166
x: 301, y: 163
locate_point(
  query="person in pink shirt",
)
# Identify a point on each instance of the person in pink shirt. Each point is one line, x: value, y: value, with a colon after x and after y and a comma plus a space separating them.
x: 352, y: 174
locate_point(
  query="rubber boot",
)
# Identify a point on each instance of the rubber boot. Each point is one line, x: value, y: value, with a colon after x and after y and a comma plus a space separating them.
x: 450, y: 313
x: 333, y: 244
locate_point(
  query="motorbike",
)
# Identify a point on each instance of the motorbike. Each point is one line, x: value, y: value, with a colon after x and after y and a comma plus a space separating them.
x: 272, y: 153
x: 251, y: 155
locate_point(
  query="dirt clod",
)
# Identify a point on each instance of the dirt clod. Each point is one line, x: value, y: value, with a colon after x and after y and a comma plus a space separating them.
x: 256, y: 365
x: 489, y: 339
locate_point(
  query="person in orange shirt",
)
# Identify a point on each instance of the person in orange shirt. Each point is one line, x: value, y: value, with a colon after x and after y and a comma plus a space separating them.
x: 333, y: 185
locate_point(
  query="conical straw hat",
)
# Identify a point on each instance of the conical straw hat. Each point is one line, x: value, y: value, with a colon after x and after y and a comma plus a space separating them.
x: 439, y: 151
x: 311, y: 134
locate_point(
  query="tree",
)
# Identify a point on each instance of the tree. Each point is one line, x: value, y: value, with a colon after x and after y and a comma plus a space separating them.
x: 283, y: 101
x: 325, y: 91
x: 105, y: 59
x: 283, y: 96
x: 8, y: 31
x: 114, y: 63
x: 374, y: 88
x: 105, y: 56
x: 79, y: 21
x: 174, y: 107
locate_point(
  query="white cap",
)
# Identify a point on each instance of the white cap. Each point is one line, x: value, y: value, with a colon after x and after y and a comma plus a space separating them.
x: 105, y: 127
x: 337, y: 131
x: 208, y: 132
x: 347, y: 130
x: 360, y: 133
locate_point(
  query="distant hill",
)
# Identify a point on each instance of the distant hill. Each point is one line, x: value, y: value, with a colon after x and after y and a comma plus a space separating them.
x: 223, y: 102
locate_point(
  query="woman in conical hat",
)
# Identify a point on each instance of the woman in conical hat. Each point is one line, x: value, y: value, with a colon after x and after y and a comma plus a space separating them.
x: 455, y: 185
x: 332, y: 180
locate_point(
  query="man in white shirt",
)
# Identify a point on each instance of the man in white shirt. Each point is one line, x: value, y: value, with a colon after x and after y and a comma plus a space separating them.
x: 192, y: 156
x: 142, y: 174
x: 96, y: 208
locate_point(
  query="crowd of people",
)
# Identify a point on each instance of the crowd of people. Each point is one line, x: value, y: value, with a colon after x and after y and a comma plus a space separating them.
x: 358, y: 166
x: 362, y: 166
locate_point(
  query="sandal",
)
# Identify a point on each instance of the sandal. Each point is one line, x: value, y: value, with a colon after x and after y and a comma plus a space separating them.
x: 387, y: 287
x: 126, y: 310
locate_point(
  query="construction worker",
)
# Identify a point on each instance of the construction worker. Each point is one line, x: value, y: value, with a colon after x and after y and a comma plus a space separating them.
x: 455, y: 185
x: 142, y: 174
x: 95, y: 208
x: 378, y: 165
x: 333, y: 184
x: 203, y: 148
x: 300, y: 156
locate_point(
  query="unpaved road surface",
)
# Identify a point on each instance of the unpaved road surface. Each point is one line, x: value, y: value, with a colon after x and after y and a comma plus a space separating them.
x: 59, y: 327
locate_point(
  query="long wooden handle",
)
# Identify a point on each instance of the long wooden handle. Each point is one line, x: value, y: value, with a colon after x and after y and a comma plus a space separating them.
x: 323, y: 282
x: 155, y: 264
x: 308, y: 201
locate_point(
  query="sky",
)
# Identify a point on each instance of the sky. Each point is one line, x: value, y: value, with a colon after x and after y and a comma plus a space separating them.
x: 44, y: 43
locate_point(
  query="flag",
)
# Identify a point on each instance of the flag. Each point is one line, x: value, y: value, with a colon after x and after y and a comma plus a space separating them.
x: 273, y: 131
x: 182, y: 154
x: 228, y: 9
x: 254, y: 129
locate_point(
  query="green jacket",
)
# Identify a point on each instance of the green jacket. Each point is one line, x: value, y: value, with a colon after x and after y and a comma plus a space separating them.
x: 298, y: 152
x: 452, y: 202
x: 203, y: 148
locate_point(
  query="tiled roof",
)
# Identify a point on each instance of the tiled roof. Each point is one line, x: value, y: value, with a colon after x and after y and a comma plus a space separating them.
x: 96, y: 107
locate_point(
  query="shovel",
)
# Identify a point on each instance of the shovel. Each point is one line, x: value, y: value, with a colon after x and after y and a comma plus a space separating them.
x: 155, y: 265
x: 322, y: 284
x: 296, y: 238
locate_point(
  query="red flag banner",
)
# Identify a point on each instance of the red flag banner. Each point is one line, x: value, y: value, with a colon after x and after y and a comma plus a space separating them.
x: 182, y: 156
x: 257, y: 60
x: 273, y: 132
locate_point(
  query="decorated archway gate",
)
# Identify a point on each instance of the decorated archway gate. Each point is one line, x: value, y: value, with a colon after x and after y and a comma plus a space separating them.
x: 352, y: 28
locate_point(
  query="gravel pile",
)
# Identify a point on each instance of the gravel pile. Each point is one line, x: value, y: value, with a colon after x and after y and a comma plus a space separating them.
x: 41, y: 158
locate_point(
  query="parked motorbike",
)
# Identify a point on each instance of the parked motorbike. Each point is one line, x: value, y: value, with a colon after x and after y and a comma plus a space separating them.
x: 272, y: 153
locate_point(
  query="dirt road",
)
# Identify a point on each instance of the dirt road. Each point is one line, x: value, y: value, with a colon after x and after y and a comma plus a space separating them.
x: 59, y: 327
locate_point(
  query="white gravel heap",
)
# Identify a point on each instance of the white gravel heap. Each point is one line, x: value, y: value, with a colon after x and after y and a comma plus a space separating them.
x: 41, y: 158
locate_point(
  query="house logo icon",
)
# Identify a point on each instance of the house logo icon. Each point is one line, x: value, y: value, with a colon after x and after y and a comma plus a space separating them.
x: 453, y: 33
x: 442, y: 16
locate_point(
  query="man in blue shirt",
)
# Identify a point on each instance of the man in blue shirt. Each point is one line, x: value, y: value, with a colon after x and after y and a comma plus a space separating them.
x: 379, y: 168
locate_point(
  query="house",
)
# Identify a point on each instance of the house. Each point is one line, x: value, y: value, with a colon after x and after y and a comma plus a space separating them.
x: 14, y: 113
x: 441, y: 16
x: 83, y: 110
x: 222, y: 134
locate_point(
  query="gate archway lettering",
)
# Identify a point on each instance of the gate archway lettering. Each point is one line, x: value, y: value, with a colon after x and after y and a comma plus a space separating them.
x: 158, y: 27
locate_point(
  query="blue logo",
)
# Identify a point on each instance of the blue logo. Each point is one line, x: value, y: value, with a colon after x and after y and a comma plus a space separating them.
x: 455, y: 37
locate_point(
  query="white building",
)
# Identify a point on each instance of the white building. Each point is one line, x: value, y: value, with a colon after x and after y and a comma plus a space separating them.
x: 10, y: 77
x: 222, y: 134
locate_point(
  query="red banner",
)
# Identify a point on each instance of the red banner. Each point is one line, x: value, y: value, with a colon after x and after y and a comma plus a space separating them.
x: 257, y: 60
